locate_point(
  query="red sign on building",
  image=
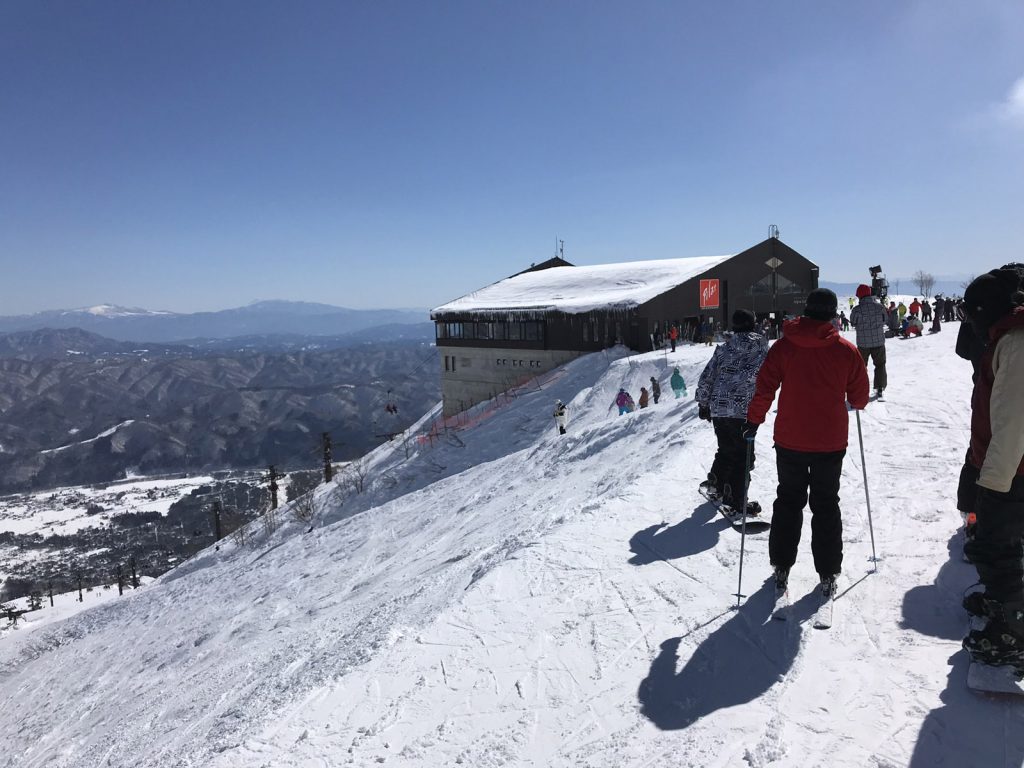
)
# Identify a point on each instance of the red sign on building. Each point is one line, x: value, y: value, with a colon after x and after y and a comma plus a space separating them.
x: 709, y: 294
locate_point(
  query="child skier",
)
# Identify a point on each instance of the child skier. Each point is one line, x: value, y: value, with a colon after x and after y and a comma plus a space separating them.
x: 723, y: 395
x: 655, y: 390
x: 644, y: 397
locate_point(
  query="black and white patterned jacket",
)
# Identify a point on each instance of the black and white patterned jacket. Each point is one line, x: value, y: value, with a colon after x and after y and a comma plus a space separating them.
x: 869, y: 318
x: 727, y: 382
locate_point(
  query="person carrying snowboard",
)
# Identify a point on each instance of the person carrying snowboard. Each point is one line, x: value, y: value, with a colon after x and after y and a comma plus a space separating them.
x: 869, y: 318
x: 561, y: 418
x: 723, y: 394
x: 819, y: 371
x: 994, y: 306
x: 655, y: 390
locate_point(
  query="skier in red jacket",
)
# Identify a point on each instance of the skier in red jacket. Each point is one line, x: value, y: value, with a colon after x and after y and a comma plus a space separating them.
x: 819, y: 371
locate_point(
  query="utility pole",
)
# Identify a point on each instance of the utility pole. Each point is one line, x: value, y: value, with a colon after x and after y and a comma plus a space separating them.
x: 80, y: 598
x: 272, y: 475
x: 135, y: 575
x: 216, y: 521
x: 120, y: 579
x: 49, y: 588
x: 328, y: 467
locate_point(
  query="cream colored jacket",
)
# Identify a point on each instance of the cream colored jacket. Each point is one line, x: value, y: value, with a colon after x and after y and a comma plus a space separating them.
x: 1007, y: 412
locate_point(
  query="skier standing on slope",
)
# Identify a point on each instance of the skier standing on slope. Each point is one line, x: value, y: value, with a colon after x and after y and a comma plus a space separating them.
x: 561, y: 418
x: 655, y: 390
x: 819, y: 371
x: 622, y: 400
x: 644, y: 397
x: 723, y: 394
x: 869, y: 318
x: 994, y: 304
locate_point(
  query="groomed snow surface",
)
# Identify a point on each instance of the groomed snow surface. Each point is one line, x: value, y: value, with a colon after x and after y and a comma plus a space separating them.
x: 509, y: 597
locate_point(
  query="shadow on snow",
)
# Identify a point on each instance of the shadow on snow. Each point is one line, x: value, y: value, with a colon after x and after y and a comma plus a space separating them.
x: 734, y: 665
x: 693, y: 535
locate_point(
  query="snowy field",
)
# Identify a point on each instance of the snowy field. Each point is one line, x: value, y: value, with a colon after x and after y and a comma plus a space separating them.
x: 509, y: 597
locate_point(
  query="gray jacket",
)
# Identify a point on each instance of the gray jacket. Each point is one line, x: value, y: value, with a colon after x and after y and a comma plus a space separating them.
x: 869, y: 318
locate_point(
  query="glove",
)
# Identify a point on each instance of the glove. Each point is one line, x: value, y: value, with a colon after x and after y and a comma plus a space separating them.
x: 704, y: 412
x: 749, y: 430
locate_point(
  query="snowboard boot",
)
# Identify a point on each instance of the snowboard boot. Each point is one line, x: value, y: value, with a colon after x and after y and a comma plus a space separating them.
x: 982, y: 607
x: 710, y: 488
x: 997, y: 644
x: 828, y: 587
x: 781, y: 579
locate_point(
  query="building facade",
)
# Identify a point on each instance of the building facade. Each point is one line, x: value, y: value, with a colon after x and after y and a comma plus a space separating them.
x: 521, y: 327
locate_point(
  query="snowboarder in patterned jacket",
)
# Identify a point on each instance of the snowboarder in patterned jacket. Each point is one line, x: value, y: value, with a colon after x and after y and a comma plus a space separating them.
x: 678, y: 384
x: 994, y: 305
x: 655, y: 390
x: 723, y: 394
x: 819, y: 372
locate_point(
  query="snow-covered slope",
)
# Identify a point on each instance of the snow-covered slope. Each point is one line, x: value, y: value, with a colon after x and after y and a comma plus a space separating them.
x: 507, y: 596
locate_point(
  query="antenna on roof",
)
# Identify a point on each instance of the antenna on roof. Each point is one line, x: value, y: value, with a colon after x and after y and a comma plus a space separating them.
x: 773, y: 232
x: 561, y: 249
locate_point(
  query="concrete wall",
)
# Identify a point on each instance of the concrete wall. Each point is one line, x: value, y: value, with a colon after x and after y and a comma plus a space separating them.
x: 480, y: 374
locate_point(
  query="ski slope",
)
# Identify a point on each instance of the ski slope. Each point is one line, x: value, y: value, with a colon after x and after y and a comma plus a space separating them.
x: 509, y: 597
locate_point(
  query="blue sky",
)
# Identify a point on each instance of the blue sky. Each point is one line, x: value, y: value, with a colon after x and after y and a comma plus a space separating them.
x: 201, y: 155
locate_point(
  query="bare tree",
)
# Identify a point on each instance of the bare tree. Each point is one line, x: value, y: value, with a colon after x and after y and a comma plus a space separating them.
x: 355, y: 475
x: 924, y: 282
x: 303, y: 508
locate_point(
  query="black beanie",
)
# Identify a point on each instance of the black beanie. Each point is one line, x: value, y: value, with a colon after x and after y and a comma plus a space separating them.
x: 821, y: 304
x: 743, y: 320
x: 993, y: 295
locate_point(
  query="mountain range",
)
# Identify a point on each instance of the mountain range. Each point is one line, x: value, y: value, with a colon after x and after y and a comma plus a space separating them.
x: 259, y: 318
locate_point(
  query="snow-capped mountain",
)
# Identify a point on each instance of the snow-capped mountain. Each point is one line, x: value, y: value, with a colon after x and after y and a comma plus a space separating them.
x: 494, y: 594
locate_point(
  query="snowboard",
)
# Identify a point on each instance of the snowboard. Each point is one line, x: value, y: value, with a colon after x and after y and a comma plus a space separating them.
x: 986, y: 678
x: 755, y: 523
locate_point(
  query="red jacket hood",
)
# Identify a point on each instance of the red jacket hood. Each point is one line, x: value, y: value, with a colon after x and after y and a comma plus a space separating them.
x: 808, y: 332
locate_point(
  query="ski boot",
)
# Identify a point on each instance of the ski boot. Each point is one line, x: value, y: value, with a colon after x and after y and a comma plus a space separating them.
x: 781, y: 579
x: 829, y: 587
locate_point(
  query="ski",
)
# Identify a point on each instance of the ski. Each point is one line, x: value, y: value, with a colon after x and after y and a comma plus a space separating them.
x: 986, y: 678
x: 780, y: 611
x: 823, y: 616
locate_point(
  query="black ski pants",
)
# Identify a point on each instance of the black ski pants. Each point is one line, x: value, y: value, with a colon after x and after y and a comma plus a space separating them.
x: 998, y: 547
x: 800, y: 471
x: 730, y: 465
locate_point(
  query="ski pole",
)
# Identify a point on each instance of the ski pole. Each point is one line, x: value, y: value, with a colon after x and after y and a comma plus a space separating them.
x: 867, y: 495
x: 743, y: 524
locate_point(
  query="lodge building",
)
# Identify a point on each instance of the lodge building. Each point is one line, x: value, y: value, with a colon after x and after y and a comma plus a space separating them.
x: 527, y: 324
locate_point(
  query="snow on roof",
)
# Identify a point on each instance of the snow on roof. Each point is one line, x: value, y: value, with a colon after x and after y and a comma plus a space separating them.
x: 581, y: 289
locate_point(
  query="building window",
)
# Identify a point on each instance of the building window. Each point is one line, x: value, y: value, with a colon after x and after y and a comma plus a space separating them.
x: 499, y: 331
x: 532, y: 331
x: 515, y: 331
